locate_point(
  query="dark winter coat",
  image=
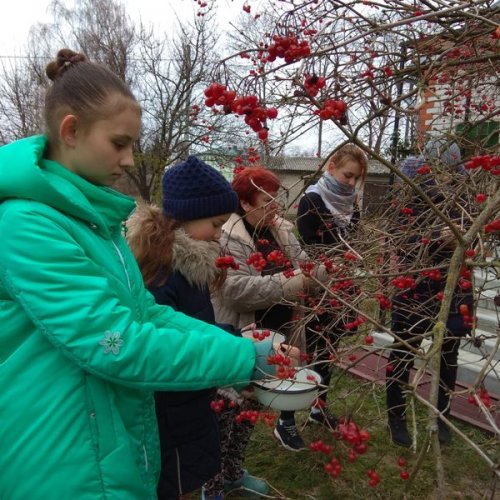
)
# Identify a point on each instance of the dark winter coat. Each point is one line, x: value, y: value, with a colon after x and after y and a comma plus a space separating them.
x: 418, y: 308
x: 189, y: 435
x: 319, y: 233
x: 316, y: 224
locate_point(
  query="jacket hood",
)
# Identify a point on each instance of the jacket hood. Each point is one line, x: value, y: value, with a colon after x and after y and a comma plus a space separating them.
x: 195, y: 259
x: 26, y: 174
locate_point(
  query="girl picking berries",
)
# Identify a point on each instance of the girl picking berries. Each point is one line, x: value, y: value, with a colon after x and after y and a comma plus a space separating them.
x: 327, y: 217
x: 83, y: 344
x: 268, y: 280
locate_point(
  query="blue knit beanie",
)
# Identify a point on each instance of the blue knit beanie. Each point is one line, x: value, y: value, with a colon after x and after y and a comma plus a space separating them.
x: 194, y: 190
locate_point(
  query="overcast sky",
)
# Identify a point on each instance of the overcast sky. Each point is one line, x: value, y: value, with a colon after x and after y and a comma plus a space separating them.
x: 17, y: 16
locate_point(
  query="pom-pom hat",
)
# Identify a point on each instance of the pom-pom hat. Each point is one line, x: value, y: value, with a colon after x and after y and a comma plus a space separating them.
x: 194, y: 190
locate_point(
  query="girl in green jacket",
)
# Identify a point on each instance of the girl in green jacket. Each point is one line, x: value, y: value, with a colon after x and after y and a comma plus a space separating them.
x: 83, y: 345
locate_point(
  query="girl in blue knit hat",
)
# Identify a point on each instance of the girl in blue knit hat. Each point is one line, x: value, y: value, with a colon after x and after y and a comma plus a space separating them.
x: 176, y: 248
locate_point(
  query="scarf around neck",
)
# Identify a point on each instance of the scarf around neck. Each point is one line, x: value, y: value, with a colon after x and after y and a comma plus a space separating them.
x: 338, y: 198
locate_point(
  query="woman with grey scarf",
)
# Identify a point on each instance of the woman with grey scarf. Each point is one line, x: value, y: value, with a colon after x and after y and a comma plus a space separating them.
x: 327, y: 216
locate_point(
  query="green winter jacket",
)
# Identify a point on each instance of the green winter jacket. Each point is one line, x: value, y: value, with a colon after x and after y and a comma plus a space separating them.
x: 83, y: 344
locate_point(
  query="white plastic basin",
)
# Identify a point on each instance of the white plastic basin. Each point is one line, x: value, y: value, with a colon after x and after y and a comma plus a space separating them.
x: 288, y: 394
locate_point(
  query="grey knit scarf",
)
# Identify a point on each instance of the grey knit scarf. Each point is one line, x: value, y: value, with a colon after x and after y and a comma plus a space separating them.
x: 338, y: 198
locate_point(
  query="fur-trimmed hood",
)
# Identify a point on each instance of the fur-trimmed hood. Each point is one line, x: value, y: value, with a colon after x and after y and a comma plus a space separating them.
x: 195, y: 259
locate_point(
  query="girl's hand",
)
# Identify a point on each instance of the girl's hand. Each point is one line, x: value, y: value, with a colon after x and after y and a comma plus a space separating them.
x: 248, y: 393
x: 292, y: 352
x: 251, y: 326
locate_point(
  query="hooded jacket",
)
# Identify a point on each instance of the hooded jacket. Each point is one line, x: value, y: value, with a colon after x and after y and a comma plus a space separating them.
x: 189, y: 437
x: 83, y: 344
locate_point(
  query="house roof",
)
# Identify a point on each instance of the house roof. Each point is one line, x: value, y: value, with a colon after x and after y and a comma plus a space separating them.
x: 311, y: 164
x: 303, y: 164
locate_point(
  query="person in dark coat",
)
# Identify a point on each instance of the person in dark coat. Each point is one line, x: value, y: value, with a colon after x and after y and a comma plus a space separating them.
x: 328, y: 215
x: 429, y: 244
x: 179, y: 268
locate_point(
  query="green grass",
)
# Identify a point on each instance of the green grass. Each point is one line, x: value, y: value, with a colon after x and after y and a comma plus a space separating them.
x: 301, y: 475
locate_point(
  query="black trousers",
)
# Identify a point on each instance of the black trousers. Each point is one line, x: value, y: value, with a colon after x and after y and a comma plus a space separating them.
x: 322, y: 337
x: 401, y: 362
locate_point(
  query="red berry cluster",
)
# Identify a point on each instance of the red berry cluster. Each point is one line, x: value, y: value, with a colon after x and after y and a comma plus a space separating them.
x: 492, y: 226
x: 289, y: 273
x: 313, y: 84
x: 385, y: 303
x: 256, y: 259
x: 350, y: 256
x: 251, y: 158
x: 332, y: 108
x: 321, y: 447
x: 328, y: 263
x: 357, y: 437
x: 283, y: 370
x: 407, y: 211
x: 368, y: 74
x: 201, y: 5
x: 483, y: 396
x: 307, y: 267
x: 250, y: 416
x: 226, y: 262
x: 374, y: 478
x: 486, y: 162
x: 288, y: 48
x: 195, y: 110
x: 279, y: 258
x: 369, y: 340
x: 217, y: 405
x: 466, y: 316
x: 403, y: 474
x: 255, y: 114
x: 268, y: 418
x: 432, y: 274
x: 404, y: 282
x: 333, y: 467
x: 305, y: 358
x: 425, y: 169
x: 354, y: 324
x: 261, y: 335
x: 464, y: 284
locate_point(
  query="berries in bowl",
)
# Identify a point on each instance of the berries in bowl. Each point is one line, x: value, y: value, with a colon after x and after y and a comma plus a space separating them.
x: 260, y: 334
x: 297, y: 392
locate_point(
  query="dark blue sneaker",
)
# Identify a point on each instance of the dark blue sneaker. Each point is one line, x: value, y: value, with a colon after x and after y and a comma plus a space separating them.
x: 287, y: 434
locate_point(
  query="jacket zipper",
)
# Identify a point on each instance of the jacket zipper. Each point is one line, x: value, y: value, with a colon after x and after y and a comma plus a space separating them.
x: 146, y: 463
x: 179, y: 482
x: 122, y: 260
